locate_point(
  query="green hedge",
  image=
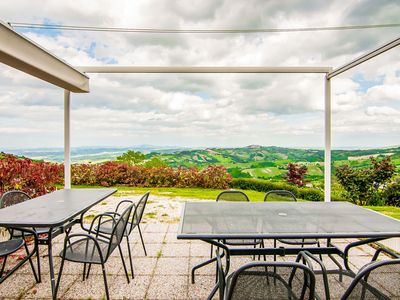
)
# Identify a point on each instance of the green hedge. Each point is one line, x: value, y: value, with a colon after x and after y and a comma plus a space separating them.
x: 310, y: 194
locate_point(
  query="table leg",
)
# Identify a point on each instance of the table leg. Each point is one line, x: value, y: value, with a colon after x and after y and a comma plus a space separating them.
x: 51, y: 265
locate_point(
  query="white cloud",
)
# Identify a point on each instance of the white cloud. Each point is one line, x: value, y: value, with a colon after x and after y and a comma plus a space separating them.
x: 207, y: 109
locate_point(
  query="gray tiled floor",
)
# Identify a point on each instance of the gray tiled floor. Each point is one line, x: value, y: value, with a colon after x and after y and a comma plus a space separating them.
x: 163, y: 274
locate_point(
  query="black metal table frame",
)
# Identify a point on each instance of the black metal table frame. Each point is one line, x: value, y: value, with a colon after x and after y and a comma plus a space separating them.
x: 61, y: 227
x: 329, y: 250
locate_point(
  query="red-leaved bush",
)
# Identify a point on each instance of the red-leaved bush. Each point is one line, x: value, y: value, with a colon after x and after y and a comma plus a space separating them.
x: 113, y: 173
x: 34, y: 178
x: 38, y: 178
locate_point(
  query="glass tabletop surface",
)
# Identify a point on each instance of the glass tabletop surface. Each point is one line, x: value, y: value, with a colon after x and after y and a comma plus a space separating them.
x: 52, y: 209
x: 205, y: 220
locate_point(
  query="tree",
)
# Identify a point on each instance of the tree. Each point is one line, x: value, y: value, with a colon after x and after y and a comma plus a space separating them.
x: 155, y: 162
x: 132, y: 157
x: 365, y: 186
x: 295, y: 174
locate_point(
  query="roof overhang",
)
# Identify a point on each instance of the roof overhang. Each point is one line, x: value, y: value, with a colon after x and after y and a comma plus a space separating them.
x: 195, y: 69
x: 23, y: 54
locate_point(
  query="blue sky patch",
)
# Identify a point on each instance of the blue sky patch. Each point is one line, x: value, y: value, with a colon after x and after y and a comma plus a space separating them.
x: 365, y: 84
x: 41, y: 31
x: 204, y: 95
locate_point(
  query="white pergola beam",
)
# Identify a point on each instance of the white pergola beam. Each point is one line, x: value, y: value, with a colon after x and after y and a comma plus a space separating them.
x: 194, y: 69
x: 364, y: 58
x: 23, y: 54
x: 67, y: 139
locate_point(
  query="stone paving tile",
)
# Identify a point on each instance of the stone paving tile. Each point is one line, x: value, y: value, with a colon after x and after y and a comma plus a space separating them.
x: 43, y: 290
x: 153, y: 250
x: 202, y: 288
x: 91, y: 288
x: 152, y: 238
x: 172, y: 266
x: 206, y: 270
x: 143, y: 265
x: 170, y: 237
x: 202, y: 249
x: 136, y: 289
x: 173, y: 228
x: 176, y: 250
x: 156, y: 228
x: 16, y: 285
x: 168, y: 287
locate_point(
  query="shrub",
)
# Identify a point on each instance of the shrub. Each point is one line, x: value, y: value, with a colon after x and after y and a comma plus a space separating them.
x: 391, y: 195
x: 364, y: 186
x: 34, y: 178
x: 295, y: 174
x: 83, y: 174
x: 266, y: 186
x: 112, y: 173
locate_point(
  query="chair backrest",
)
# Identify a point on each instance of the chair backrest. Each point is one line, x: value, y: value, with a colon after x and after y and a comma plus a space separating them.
x: 139, y: 210
x: 232, y: 195
x: 119, y: 229
x: 272, y: 280
x: 11, y: 198
x: 377, y: 280
x: 279, y: 195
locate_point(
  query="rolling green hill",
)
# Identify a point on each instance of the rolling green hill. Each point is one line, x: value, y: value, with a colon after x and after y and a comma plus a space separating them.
x: 270, y: 162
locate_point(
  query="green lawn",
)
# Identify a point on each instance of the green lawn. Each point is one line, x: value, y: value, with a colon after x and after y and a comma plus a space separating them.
x: 200, y: 193
x: 391, y: 211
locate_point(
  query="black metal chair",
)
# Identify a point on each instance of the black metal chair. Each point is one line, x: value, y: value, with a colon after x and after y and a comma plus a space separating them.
x: 283, y: 195
x: 13, y: 245
x: 93, y: 248
x: 105, y: 228
x: 379, y: 279
x: 237, y: 196
x: 13, y: 197
x: 255, y: 280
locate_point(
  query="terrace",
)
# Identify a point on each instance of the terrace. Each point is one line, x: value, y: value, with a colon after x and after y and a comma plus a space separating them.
x: 165, y: 272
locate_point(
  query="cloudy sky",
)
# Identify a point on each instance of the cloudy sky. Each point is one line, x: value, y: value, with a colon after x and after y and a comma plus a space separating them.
x: 199, y: 110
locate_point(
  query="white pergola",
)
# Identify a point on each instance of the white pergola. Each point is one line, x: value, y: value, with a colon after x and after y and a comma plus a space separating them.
x: 23, y: 54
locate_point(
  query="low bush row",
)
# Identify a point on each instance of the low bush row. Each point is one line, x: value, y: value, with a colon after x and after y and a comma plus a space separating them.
x: 112, y: 173
x: 34, y: 178
x: 310, y: 194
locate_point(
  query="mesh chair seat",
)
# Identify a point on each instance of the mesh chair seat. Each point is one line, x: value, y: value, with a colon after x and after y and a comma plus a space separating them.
x: 243, y: 242
x: 85, y: 251
x: 259, y: 284
x: 10, y: 246
x: 256, y: 281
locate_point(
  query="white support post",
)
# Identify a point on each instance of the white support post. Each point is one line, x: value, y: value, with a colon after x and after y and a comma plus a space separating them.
x: 67, y: 140
x: 328, y: 135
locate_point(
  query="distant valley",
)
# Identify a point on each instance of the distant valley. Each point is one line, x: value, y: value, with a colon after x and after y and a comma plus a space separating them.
x: 252, y: 161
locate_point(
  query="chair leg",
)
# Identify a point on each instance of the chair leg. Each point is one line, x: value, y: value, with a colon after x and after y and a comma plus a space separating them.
x: 123, y: 263
x: 59, y: 277
x: 88, y: 271
x: 130, y: 256
x: 263, y: 245
x: 105, y: 280
x: 211, y: 252
x: 84, y: 272
x: 141, y: 238
x: 3, y: 266
x: 37, y: 278
x: 319, y: 246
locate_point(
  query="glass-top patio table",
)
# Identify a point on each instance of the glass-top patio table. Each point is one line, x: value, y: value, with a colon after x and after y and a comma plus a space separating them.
x: 58, y: 211
x: 214, y: 222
